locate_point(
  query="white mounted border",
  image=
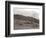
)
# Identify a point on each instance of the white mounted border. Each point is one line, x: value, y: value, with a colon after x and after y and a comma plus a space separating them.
x: 37, y: 9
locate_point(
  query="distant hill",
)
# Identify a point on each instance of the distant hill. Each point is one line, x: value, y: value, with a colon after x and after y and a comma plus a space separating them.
x: 24, y: 22
x: 21, y: 17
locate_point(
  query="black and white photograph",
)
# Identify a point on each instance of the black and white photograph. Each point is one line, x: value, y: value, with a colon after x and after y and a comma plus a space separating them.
x: 24, y: 18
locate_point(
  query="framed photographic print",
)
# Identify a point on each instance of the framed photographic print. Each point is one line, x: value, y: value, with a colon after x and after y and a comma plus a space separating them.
x: 24, y: 18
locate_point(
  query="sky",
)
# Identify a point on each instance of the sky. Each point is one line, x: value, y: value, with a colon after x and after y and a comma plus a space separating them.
x: 27, y: 12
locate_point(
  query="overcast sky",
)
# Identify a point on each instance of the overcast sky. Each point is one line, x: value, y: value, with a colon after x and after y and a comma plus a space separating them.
x: 27, y: 12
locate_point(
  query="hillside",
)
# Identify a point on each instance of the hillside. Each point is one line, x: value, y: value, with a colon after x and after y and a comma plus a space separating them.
x: 23, y: 22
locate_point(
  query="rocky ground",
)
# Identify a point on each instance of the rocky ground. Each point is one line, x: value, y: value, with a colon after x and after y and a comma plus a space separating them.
x: 22, y: 22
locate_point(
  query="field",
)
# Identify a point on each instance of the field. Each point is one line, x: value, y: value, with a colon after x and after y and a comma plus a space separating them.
x: 23, y: 22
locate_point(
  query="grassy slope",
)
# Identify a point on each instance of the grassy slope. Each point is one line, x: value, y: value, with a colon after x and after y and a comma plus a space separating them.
x: 22, y: 22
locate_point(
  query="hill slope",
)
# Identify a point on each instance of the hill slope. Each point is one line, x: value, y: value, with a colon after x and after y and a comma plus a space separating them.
x: 23, y: 22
